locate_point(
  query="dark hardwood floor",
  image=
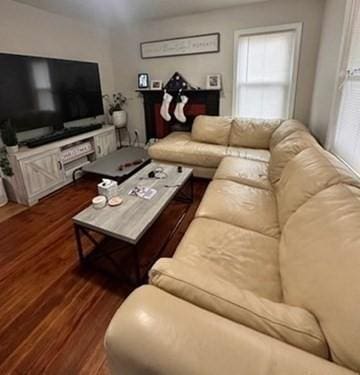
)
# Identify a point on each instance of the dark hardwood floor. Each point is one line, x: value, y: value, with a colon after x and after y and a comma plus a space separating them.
x: 54, y: 313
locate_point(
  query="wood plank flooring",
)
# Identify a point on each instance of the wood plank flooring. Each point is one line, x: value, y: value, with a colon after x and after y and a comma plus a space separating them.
x: 53, y: 313
x: 11, y: 209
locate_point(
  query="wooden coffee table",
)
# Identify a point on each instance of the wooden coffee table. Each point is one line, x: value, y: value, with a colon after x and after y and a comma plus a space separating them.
x: 129, y: 221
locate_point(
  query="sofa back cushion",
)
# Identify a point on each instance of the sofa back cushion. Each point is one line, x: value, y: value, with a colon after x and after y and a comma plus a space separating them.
x: 285, y: 150
x: 319, y: 266
x: 211, y: 129
x: 284, y: 130
x: 309, y: 172
x: 253, y: 133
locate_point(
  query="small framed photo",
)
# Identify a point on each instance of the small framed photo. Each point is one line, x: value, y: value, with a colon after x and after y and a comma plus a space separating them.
x: 143, y: 81
x: 156, y: 85
x: 213, y: 82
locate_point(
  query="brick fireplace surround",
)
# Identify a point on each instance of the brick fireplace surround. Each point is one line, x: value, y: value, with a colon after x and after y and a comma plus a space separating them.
x: 201, y: 102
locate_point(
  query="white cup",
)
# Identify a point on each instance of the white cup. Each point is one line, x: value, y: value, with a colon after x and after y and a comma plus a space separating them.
x: 99, y: 202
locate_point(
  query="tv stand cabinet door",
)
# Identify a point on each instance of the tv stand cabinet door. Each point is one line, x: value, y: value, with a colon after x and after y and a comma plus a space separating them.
x: 41, y: 173
x: 105, y: 143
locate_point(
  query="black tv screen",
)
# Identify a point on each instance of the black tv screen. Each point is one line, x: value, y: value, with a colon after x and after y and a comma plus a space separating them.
x: 40, y: 92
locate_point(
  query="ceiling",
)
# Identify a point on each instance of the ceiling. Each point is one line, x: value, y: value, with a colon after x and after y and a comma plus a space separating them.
x: 110, y: 12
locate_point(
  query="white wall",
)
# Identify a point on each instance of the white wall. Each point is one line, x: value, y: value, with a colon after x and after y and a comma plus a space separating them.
x: 327, y: 67
x: 127, y: 62
x: 30, y: 31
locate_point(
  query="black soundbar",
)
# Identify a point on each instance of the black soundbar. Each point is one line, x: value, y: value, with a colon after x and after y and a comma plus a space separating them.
x: 63, y: 134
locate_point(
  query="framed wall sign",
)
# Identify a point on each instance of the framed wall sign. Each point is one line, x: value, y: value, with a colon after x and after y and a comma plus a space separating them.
x: 189, y: 45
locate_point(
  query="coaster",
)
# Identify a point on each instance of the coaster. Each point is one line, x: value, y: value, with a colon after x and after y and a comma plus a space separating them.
x: 115, y: 201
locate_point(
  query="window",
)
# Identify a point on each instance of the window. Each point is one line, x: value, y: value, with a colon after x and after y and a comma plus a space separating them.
x: 346, y: 142
x: 265, y: 72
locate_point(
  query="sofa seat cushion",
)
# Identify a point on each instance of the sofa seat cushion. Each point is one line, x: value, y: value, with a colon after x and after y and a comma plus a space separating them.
x: 200, y: 287
x: 249, y: 153
x: 252, y: 133
x: 245, y: 258
x: 202, y: 154
x: 320, y: 263
x: 179, y: 148
x: 245, y: 206
x: 245, y: 171
x: 211, y: 129
x: 173, y: 143
x: 176, y: 139
x: 309, y: 172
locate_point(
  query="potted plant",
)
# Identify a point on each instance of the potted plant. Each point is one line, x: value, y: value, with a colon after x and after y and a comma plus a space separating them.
x: 3, y: 195
x: 5, y: 170
x: 5, y: 166
x: 116, y: 111
x: 8, y: 135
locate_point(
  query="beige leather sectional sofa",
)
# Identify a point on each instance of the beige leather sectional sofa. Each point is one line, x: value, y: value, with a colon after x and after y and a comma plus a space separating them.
x: 266, y: 279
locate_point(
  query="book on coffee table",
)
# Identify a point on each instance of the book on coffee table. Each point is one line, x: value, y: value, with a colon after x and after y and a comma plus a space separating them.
x: 143, y: 192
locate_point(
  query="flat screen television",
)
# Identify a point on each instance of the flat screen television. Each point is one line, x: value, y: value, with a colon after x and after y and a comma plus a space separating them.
x: 38, y: 92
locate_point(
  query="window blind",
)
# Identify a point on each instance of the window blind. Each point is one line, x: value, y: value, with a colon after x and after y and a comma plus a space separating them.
x: 347, y: 136
x: 265, y: 72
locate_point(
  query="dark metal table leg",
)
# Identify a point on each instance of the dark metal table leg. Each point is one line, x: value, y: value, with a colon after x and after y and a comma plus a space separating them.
x: 78, y: 243
x: 136, y: 265
x: 192, y: 188
x: 186, y: 194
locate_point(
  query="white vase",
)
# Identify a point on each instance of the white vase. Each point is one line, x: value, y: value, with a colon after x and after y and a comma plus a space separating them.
x: 12, y: 149
x: 119, y: 118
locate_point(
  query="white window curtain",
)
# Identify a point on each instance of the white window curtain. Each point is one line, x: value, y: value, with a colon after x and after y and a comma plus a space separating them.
x: 265, y: 71
x: 346, y: 142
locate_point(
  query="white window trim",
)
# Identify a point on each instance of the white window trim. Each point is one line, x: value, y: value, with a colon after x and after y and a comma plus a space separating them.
x: 297, y: 27
x: 350, y: 12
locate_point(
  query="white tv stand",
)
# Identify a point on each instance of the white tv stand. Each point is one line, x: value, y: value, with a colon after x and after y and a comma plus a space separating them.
x: 40, y: 171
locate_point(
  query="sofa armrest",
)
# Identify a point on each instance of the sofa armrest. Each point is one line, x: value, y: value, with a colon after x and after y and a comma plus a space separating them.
x: 154, y: 332
x: 197, y: 285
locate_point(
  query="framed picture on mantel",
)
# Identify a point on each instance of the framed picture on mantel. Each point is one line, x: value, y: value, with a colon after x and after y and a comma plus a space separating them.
x: 213, y: 82
x: 189, y: 45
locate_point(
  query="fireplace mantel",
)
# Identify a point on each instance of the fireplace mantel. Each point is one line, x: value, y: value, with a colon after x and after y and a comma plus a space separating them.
x: 201, y: 102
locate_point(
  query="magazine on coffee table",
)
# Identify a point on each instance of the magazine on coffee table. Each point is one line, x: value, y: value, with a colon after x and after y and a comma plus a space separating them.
x: 143, y: 192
